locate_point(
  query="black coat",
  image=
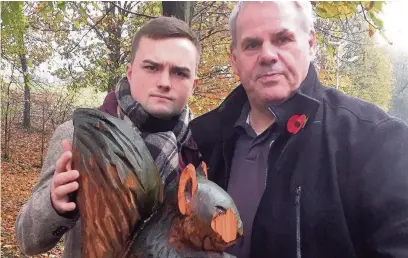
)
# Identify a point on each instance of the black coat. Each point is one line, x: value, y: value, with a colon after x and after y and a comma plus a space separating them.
x: 337, y: 188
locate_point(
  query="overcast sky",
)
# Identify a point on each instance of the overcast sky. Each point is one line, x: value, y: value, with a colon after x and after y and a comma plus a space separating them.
x: 395, y: 20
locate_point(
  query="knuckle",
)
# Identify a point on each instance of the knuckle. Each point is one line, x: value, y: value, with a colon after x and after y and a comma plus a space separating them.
x: 60, y: 179
x: 56, y: 180
x: 56, y: 193
x: 60, y: 191
x: 71, y: 187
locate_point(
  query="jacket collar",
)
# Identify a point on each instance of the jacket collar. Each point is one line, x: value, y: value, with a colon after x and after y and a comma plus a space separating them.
x: 299, y: 103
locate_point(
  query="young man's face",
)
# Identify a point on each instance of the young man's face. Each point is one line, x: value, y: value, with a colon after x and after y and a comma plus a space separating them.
x: 272, y: 51
x: 163, y: 75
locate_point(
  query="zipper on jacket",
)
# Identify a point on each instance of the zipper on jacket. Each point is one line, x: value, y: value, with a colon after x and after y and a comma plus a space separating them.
x: 297, y: 205
x: 267, y: 163
x: 227, y: 168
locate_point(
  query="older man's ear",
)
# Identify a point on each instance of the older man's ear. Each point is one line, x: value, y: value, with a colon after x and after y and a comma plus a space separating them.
x: 312, y: 43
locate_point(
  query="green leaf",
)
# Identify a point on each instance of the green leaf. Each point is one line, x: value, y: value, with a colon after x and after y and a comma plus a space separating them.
x: 331, y: 50
x: 61, y: 5
x: 378, y: 6
x: 377, y: 22
x: 30, y: 63
x: 76, y: 24
x: 95, y: 5
x: 82, y: 11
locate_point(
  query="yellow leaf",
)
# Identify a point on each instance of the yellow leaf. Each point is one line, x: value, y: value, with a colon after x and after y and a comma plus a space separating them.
x: 368, y: 5
x: 371, y: 31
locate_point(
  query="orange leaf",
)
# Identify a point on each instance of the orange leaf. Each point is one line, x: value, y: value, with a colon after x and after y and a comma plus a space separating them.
x: 371, y: 31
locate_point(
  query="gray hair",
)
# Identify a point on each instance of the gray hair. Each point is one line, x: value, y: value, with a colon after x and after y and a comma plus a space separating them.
x: 304, y: 8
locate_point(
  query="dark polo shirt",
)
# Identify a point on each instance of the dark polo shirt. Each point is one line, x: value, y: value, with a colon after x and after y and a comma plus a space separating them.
x: 248, y: 176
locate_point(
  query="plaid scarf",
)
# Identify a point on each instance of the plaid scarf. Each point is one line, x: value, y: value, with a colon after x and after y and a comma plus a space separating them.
x: 163, y: 138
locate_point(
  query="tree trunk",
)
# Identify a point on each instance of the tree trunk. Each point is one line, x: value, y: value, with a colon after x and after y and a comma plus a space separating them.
x: 5, y: 153
x: 27, y: 105
x: 42, y: 133
x: 182, y: 10
x: 114, y: 30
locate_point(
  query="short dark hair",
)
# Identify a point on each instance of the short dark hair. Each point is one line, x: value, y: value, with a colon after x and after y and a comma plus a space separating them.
x: 164, y: 28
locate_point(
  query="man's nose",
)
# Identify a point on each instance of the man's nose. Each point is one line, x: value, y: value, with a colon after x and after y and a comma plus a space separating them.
x: 269, y: 54
x: 163, y: 81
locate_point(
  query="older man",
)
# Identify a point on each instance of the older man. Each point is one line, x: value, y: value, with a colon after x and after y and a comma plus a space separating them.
x: 160, y: 78
x: 314, y: 172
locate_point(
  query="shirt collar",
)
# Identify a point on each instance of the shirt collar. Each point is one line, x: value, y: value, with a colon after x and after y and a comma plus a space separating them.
x: 300, y: 103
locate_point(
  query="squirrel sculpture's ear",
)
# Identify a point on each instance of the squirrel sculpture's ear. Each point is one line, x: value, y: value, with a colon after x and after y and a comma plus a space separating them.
x: 202, y: 170
x: 187, y: 188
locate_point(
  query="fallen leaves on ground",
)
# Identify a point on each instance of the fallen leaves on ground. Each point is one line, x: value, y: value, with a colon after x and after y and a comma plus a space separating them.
x: 19, y: 175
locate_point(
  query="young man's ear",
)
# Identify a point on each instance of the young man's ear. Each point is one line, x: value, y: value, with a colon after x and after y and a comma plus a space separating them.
x: 129, y: 71
x: 195, y: 83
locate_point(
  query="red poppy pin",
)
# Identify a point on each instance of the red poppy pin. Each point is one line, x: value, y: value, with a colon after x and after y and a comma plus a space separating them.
x: 295, y: 123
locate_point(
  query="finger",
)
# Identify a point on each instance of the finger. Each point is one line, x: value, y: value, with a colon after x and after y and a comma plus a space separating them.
x: 66, y: 206
x: 62, y: 191
x: 67, y: 147
x: 62, y: 162
x: 65, y: 177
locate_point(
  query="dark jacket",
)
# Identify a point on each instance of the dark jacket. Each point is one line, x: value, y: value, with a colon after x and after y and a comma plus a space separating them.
x: 337, y: 188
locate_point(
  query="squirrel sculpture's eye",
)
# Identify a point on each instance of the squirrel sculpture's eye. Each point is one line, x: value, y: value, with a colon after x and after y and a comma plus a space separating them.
x: 220, y: 209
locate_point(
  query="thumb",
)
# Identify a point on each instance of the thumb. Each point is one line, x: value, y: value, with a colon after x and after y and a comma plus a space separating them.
x: 66, y: 146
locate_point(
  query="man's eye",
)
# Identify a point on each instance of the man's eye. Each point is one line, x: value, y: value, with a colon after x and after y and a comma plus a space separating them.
x: 151, y: 67
x: 283, y: 40
x: 181, y: 74
x: 252, y: 45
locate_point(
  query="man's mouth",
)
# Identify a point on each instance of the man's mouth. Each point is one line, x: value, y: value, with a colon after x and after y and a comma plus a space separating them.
x: 161, y: 96
x: 268, y: 77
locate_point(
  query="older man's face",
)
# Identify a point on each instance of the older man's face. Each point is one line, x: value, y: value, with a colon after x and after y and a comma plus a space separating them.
x: 272, y: 51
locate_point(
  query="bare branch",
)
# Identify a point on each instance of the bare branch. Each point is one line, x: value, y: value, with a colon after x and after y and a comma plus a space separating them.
x: 212, y: 33
x: 92, y: 27
x: 365, y: 17
x: 138, y: 14
x: 202, y: 9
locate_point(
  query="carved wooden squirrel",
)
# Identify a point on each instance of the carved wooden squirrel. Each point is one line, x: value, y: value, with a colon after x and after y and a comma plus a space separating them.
x: 126, y: 211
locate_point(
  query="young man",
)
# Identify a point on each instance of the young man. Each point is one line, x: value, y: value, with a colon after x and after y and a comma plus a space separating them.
x: 314, y: 173
x: 159, y: 80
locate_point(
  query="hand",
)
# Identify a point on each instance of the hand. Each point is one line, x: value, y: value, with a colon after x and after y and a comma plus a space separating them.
x: 64, y: 181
